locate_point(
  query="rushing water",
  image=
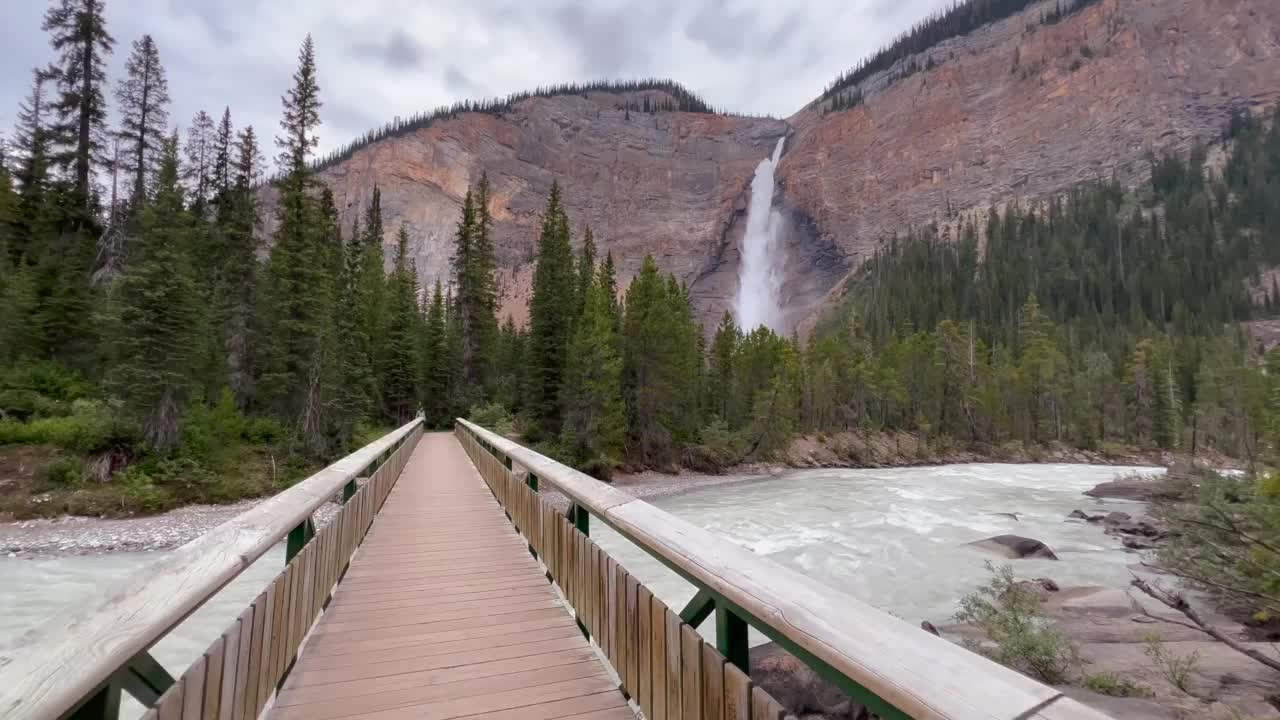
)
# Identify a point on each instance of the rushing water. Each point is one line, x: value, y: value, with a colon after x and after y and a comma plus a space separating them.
x: 759, y: 281
x: 893, y: 538
x: 897, y: 538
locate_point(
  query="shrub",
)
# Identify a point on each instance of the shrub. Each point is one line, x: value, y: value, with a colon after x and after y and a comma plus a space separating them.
x: 61, y: 472
x: 40, y: 389
x: 263, y: 431
x: 1010, y: 616
x: 92, y: 426
x: 720, y: 449
x: 493, y: 416
x: 1177, y: 669
x: 210, y: 432
x: 1107, y: 683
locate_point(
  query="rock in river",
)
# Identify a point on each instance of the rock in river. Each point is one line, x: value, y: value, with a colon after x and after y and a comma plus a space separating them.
x: 1016, y: 547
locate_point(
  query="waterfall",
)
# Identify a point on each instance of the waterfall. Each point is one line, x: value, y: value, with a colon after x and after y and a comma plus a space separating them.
x: 759, y: 276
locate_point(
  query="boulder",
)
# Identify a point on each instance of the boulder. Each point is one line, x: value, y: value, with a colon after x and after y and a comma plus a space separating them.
x: 1013, y: 516
x: 1082, y: 515
x: 1116, y: 517
x: 1015, y: 547
x: 1134, y: 487
x: 929, y: 628
x: 798, y: 688
x: 1039, y: 587
x: 1138, y: 543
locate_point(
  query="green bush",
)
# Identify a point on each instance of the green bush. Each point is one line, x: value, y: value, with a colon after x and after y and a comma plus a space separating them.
x: 1177, y: 669
x: 210, y: 432
x: 263, y: 431
x: 494, y: 417
x: 720, y: 449
x: 39, y: 389
x: 61, y: 472
x: 1107, y: 683
x: 92, y: 427
x: 1011, y: 617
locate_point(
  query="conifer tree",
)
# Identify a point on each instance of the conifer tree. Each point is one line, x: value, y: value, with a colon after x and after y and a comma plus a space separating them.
x: 143, y: 97
x: 586, y: 271
x: 156, y: 307
x: 297, y: 354
x: 609, y: 282
x: 34, y: 219
x: 594, y: 422
x: 720, y: 368
x: 223, y: 174
x: 201, y: 149
x: 435, y: 384
x: 372, y: 294
x: 550, y: 318
x: 476, y: 290
x: 400, y: 363
x: 355, y: 385
x: 78, y: 32
x: 237, y: 224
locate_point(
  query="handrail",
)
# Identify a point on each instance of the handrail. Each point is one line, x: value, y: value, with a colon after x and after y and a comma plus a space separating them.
x: 51, y: 669
x: 878, y: 658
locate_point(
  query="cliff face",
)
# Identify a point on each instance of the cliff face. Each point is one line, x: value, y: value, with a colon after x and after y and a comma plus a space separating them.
x: 1022, y: 110
x: 1013, y: 110
x: 668, y: 184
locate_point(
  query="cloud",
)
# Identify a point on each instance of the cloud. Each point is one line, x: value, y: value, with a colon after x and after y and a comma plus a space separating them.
x: 382, y: 58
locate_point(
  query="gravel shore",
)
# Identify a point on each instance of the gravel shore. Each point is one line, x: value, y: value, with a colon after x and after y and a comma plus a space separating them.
x: 71, y: 535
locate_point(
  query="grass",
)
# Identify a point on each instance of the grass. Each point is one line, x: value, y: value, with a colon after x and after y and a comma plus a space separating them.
x: 1107, y: 683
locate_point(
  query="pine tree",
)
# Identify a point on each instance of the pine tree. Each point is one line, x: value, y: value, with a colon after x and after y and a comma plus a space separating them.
x: 143, y: 97
x: 720, y: 370
x: 371, y: 296
x: 550, y: 319
x: 157, y: 313
x: 476, y: 289
x: 298, y: 372
x: 237, y: 223
x: 223, y: 157
x: 78, y: 32
x: 586, y: 271
x: 594, y: 422
x: 202, y: 150
x: 435, y: 384
x: 400, y: 368
x: 609, y: 283
x: 34, y: 219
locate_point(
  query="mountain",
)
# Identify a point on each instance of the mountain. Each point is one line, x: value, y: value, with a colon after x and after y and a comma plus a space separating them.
x: 1021, y: 107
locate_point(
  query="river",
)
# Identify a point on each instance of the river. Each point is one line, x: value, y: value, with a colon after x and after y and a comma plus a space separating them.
x: 894, y: 538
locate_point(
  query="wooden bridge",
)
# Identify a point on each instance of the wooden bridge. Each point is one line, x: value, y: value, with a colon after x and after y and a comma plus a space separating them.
x: 448, y: 586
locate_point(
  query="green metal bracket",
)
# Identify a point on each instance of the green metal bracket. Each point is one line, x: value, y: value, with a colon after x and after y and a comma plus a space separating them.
x: 698, y: 609
x: 349, y: 490
x: 142, y: 677
x: 580, y: 518
x: 533, y: 479
x: 298, y: 539
x: 731, y: 638
x: 102, y: 705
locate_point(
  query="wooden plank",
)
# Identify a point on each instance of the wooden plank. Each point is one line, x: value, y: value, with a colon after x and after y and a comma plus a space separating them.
x: 675, y: 679
x: 242, y: 664
x: 193, y: 681
x: 631, y: 586
x: 214, y: 659
x: 266, y: 675
x: 279, y: 614
x: 169, y: 706
x: 50, y: 669
x: 643, y: 657
x: 691, y: 672
x: 737, y: 694
x: 230, y: 656
x: 611, y: 612
x: 251, y: 704
x: 764, y: 707
x: 658, y: 657
x: 712, y: 684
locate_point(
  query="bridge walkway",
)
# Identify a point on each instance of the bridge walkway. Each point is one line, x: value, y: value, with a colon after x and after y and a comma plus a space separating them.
x: 444, y: 614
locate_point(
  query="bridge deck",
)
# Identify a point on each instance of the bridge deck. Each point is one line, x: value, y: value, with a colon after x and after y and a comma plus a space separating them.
x: 444, y: 614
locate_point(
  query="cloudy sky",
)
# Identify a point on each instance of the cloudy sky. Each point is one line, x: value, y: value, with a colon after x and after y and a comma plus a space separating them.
x: 382, y: 58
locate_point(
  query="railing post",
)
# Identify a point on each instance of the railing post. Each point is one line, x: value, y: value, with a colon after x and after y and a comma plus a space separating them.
x: 532, y: 481
x: 731, y: 638
x: 349, y: 490
x: 580, y: 518
x: 298, y: 539
x: 102, y: 705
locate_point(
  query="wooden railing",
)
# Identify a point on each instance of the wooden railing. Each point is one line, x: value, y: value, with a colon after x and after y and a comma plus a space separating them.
x: 77, y: 667
x: 893, y: 668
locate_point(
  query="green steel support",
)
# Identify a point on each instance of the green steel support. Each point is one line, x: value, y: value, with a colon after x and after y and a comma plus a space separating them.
x: 298, y: 539
x: 349, y: 490
x: 102, y: 705
x: 144, y: 679
x: 533, y: 480
x: 698, y: 609
x: 731, y: 638
x: 580, y: 518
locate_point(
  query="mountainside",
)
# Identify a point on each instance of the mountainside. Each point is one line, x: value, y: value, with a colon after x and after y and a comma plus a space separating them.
x: 1019, y: 108
x: 1024, y: 109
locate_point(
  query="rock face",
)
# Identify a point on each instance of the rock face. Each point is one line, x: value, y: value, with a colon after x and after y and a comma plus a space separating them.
x: 1021, y: 110
x: 671, y: 184
x: 1015, y: 547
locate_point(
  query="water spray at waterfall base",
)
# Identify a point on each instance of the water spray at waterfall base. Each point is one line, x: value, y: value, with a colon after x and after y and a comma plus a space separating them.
x: 760, y: 275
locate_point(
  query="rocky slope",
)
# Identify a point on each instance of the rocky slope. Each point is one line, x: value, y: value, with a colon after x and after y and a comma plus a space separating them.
x: 672, y: 184
x: 1014, y: 110
x: 1019, y: 109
